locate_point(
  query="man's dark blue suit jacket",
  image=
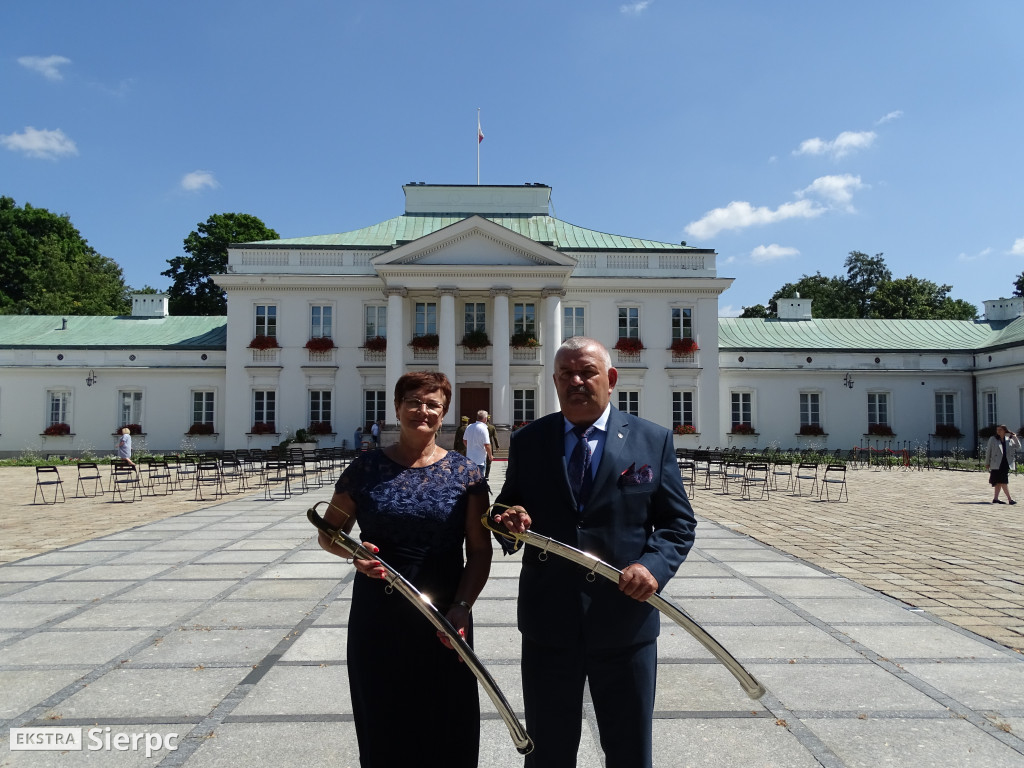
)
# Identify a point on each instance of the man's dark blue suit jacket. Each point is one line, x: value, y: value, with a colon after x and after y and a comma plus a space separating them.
x: 629, y: 518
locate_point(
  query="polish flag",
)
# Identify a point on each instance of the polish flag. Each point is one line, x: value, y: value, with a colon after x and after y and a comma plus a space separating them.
x: 479, y: 132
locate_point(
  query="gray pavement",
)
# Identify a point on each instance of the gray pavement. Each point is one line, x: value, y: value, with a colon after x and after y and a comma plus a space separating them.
x: 226, y: 625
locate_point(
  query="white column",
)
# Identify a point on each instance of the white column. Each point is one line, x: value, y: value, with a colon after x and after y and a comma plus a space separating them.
x: 393, y: 357
x: 501, y: 390
x: 446, y: 333
x: 552, y: 341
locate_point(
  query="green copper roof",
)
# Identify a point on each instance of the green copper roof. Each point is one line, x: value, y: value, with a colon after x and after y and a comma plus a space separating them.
x: 736, y: 333
x: 542, y: 229
x: 51, y: 331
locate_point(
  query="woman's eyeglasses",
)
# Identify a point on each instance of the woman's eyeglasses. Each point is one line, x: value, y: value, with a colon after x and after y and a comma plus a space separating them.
x: 414, y: 404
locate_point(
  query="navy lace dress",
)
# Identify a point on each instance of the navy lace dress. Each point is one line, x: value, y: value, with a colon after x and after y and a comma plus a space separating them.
x: 410, y: 695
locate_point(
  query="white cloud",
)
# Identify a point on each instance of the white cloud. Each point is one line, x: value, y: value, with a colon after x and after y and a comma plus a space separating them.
x: 842, y: 145
x: 772, y: 252
x: 729, y: 311
x: 837, y: 190
x: 196, y: 181
x: 1018, y: 247
x: 47, y: 66
x: 635, y: 9
x: 35, y: 143
x: 894, y: 115
x: 966, y: 257
x: 740, y: 214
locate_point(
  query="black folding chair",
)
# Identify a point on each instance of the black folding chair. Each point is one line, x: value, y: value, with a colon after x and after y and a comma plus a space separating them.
x: 48, y: 476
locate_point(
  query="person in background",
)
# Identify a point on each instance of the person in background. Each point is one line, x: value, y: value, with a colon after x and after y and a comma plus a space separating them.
x: 1001, y: 460
x: 417, y: 505
x: 124, y: 446
x: 478, y: 444
x: 606, y: 483
x: 460, y: 432
x: 492, y: 435
x: 375, y: 433
x: 357, y: 439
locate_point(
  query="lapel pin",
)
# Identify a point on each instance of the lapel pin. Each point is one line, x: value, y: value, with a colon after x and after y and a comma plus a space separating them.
x: 619, y: 435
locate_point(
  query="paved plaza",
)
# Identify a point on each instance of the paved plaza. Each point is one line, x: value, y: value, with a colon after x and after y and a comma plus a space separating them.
x: 883, y: 629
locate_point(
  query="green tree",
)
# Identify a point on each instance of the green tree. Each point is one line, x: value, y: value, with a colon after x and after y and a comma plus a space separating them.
x: 1018, y: 285
x: 863, y: 276
x: 913, y: 298
x: 48, y: 268
x: 193, y: 292
x: 758, y: 310
x: 830, y: 296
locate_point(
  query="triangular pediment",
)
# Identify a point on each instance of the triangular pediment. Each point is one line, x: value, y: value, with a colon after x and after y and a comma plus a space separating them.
x: 474, y: 241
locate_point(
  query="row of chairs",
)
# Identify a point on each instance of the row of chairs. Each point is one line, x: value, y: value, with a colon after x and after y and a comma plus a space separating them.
x: 209, y: 476
x: 762, y: 477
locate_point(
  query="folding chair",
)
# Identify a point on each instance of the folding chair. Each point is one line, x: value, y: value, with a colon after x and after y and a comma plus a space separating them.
x: 48, y: 476
x: 185, y: 470
x: 713, y: 468
x: 806, y: 471
x: 208, y: 474
x: 89, y: 471
x: 733, y: 472
x: 834, y: 478
x: 231, y: 469
x: 123, y: 476
x: 157, y: 473
x: 755, y: 478
x: 688, y: 471
x: 276, y: 471
x: 782, y: 471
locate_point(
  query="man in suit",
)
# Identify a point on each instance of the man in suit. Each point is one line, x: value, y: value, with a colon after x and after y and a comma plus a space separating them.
x: 614, y: 491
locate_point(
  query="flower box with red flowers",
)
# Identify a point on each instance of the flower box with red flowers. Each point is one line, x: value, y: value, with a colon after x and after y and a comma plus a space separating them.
x: 320, y: 344
x: 425, y: 341
x: 523, y: 339
x: 948, y: 431
x: 57, y: 429
x: 683, y: 346
x: 376, y: 344
x: 629, y: 346
x: 881, y: 430
x: 133, y: 429
x: 743, y: 428
x: 199, y: 428
x: 264, y: 342
x: 811, y: 429
x: 319, y: 428
x: 684, y: 429
x: 475, y: 340
x: 263, y: 428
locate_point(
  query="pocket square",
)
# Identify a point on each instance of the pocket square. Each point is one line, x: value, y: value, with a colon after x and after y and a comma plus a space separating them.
x: 634, y: 476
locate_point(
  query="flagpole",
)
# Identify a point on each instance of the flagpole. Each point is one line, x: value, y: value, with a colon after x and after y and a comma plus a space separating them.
x: 478, y: 134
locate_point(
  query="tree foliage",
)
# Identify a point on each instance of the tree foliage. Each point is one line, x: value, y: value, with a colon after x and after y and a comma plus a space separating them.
x: 48, y: 268
x: 193, y: 292
x: 869, y: 291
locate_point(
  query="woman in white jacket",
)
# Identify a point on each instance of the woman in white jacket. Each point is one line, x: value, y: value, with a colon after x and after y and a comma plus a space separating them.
x: 1001, y: 460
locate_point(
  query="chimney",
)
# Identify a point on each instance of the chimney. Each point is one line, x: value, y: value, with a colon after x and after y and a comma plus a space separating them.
x: 794, y: 309
x: 1004, y: 309
x: 150, y: 305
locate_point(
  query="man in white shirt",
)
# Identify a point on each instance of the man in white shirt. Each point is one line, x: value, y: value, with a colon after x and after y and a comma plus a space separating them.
x: 478, y: 442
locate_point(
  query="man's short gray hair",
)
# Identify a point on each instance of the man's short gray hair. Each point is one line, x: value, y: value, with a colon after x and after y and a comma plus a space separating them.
x: 576, y: 343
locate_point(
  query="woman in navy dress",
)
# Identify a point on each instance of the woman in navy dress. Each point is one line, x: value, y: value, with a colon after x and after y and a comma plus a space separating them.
x: 416, y: 505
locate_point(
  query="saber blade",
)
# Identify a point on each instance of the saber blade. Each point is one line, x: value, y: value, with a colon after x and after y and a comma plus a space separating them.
x: 754, y: 689
x: 397, y: 582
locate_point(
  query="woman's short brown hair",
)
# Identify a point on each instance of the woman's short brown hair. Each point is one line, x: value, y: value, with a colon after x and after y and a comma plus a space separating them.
x: 409, y: 382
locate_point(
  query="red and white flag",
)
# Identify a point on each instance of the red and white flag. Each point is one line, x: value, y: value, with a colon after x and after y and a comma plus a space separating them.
x: 479, y: 130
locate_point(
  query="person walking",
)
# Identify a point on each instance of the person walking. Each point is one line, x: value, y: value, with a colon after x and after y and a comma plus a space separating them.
x: 460, y: 432
x: 607, y: 483
x: 492, y: 436
x: 478, y: 444
x: 1001, y: 460
x: 124, y: 447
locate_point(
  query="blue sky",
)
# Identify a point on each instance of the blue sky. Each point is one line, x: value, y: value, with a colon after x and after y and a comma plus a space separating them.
x: 782, y: 134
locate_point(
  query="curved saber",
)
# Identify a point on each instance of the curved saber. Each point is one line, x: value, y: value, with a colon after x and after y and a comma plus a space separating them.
x: 422, y: 603
x: 747, y: 681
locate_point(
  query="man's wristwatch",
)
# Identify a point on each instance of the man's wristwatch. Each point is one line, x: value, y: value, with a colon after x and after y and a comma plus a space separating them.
x: 464, y: 604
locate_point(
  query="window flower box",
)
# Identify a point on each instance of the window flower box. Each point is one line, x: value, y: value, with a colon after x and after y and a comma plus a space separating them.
x: 320, y: 344
x: 743, y: 428
x: 880, y: 430
x: 320, y: 428
x: 55, y: 430
x: 475, y: 340
x: 263, y: 428
x: 948, y: 431
x: 684, y: 429
x: 811, y: 430
x: 425, y: 341
x: 376, y: 344
x: 683, y: 346
x: 629, y: 346
x: 264, y: 342
x: 133, y: 429
x: 523, y: 340
x: 199, y: 428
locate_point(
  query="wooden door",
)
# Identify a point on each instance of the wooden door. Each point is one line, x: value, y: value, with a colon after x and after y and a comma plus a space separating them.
x: 473, y: 399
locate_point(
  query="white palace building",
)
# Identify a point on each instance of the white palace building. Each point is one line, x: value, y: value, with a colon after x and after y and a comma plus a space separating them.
x: 483, y: 283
